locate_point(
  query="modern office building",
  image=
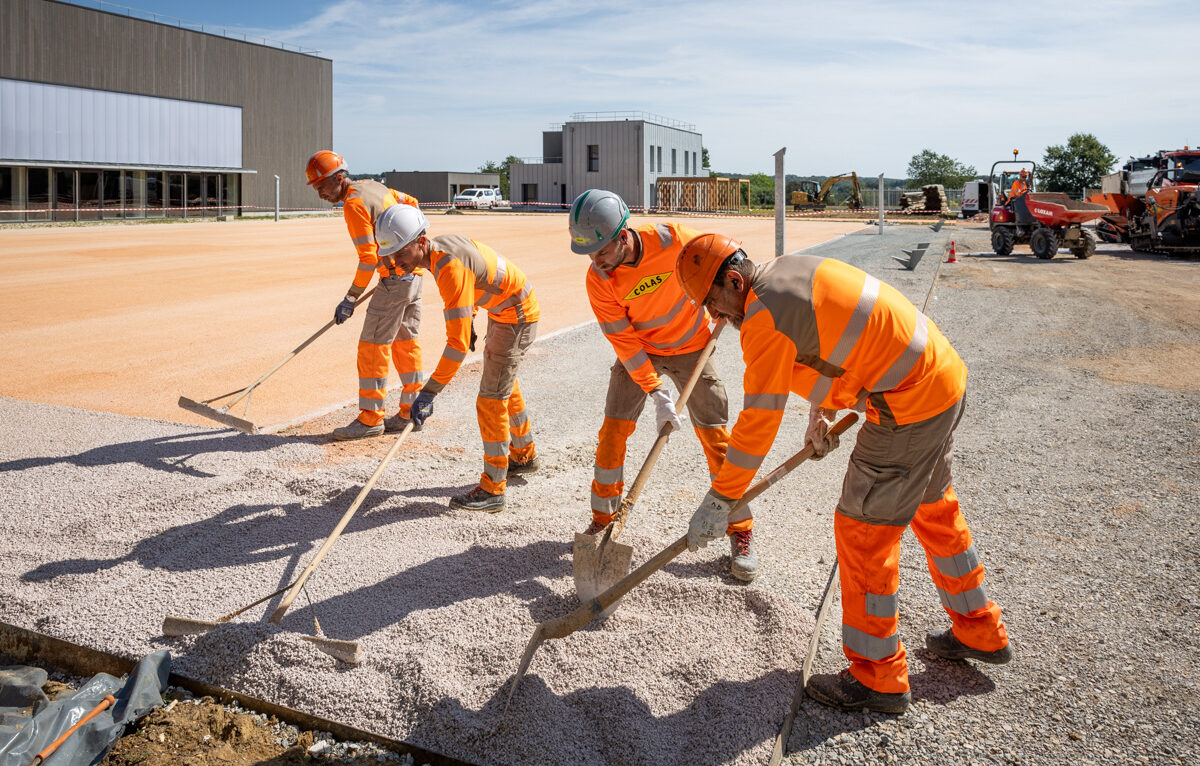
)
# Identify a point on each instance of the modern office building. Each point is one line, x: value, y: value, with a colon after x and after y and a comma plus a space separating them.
x: 106, y: 114
x: 624, y: 152
x: 438, y: 187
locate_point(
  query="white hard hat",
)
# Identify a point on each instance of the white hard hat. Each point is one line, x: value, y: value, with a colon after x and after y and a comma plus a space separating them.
x: 397, y: 226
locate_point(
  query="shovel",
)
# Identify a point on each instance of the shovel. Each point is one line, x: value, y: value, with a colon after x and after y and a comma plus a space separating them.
x: 599, y: 560
x: 222, y: 414
x: 568, y: 624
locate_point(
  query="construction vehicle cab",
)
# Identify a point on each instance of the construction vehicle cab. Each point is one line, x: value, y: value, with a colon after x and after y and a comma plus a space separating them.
x: 1044, y: 220
x: 1162, y: 218
x: 809, y: 197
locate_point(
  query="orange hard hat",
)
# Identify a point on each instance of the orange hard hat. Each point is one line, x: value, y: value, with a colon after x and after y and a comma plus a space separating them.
x: 1024, y: 172
x: 322, y: 165
x: 698, y: 262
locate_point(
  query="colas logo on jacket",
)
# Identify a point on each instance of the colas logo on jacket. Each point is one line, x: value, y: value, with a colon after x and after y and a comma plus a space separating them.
x: 647, y: 285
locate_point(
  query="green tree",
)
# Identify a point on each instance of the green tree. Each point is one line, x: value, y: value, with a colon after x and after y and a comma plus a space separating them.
x: 502, y: 169
x: 929, y: 167
x: 1077, y: 166
x: 704, y: 158
x: 762, y: 190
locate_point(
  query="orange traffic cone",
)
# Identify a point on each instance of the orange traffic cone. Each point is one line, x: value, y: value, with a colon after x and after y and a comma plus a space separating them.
x: 951, y: 259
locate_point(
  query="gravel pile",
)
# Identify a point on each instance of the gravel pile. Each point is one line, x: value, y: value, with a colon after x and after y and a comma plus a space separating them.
x: 1081, y: 494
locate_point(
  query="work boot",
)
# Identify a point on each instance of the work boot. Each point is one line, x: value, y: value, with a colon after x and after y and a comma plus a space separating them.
x: 529, y: 466
x: 743, y: 562
x: 396, y: 423
x: 845, y: 692
x: 594, y: 528
x: 478, y: 499
x: 356, y: 430
x: 947, y: 646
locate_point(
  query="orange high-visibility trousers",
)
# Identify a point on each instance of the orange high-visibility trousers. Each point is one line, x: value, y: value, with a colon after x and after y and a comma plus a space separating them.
x: 868, y: 559
x: 503, y: 422
x: 389, y: 336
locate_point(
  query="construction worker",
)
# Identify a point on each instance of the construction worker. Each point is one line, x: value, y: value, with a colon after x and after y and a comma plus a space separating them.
x: 655, y: 331
x: 470, y: 276
x: 1020, y: 186
x: 840, y: 338
x: 394, y: 313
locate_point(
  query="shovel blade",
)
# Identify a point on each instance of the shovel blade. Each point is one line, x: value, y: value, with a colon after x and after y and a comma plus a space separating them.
x: 212, y: 413
x: 183, y: 626
x: 346, y: 651
x: 599, y: 566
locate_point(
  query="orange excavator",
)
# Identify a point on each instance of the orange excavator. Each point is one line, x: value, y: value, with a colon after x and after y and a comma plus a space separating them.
x: 1163, y: 219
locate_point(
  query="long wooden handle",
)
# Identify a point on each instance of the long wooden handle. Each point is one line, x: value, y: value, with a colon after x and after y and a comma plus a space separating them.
x: 244, y: 392
x: 277, y: 615
x: 572, y: 622
x: 49, y: 750
x: 644, y: 474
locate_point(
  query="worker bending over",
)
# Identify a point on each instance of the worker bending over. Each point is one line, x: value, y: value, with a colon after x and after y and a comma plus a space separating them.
x: 842, y: 339
x: 394, y: 313
x: 470, y: 275
x: 655, y: 331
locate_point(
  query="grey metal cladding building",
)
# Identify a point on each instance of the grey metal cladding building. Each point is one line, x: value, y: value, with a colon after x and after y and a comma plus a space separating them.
x: 104, y: 115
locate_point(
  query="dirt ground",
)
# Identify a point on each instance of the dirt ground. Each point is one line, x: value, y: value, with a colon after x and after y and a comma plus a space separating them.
x: 126, y: 318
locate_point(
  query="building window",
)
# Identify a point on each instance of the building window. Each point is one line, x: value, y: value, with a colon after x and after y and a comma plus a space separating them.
x: 64, y: 195
x: 230, y: 192
x: 175, y: 195
x: 37, y: 194
x: 695, y: 167
x: 650, y: 167
x: 685, y: 163
x: 114, y: 201
x: 660, y: 159
x: 156, y: 195
x: 593, y: 158
x: 529, y: 193
x: 10, y: 197
x: 674, y: 167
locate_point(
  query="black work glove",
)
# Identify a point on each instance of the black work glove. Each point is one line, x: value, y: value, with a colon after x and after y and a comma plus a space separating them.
x: 474, y: 337
x: 422, y: 408
x: 344, y: 311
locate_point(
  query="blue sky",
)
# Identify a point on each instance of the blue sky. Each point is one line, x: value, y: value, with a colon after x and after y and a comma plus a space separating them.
x: 448, y: 85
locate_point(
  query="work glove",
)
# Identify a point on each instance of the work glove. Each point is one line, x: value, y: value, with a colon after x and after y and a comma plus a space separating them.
x: 664, y: 410
x: 422, y: 408
x: 709, y: 522
x: 819, y: 420
x: 344, y: 310
x: 474, y: 337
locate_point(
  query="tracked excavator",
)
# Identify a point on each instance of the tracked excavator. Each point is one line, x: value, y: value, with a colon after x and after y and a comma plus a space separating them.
x: 809, y: 197
x: 1162, y: 218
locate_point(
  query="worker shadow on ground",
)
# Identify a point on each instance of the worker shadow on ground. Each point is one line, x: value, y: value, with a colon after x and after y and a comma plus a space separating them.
x: 717, y: 725
x: 479, y: 572
x: 246, y: 534
x: 163, y: 453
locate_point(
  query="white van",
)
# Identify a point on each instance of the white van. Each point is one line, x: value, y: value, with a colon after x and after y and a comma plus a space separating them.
x: 477, y: 198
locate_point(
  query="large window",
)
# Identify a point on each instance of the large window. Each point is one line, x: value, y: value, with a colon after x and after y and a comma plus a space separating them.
x: 37, y: 194
x: 593, y: 158
x: 195, y: 197
x: 64, y: 195
x: 135, y: 194
x: 650, y: 166
x: 89, y: 195
x: 529, y: 193
x: 211, y: 190
x: 695, y: 167
x: 674, y: 167
x: 685, y: 163
x: 10, y: 194
x: 156, y: 195
x: 114, y: 197
x: 660, y: 159
x: 231, y: 193
x: 175, y: 195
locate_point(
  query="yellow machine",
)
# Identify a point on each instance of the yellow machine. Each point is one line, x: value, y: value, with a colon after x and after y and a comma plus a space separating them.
x: 808, y: 197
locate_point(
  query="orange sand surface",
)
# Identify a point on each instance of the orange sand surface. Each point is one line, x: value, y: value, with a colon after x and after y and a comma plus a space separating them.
x: 126, y: 318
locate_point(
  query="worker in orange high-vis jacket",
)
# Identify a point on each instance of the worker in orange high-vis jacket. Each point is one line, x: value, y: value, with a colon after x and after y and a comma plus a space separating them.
x: 842, y: 339
x: 656, y: 332
x: 470, y: 276
x: 1020, y: 186
x: 394, y: 314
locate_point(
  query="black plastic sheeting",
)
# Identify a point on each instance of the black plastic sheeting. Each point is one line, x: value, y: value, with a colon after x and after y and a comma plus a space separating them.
x: 29, y: 721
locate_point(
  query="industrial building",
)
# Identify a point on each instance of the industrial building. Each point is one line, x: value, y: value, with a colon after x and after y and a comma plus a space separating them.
x: 438, y: 187
x: 108, y: 115
x: 624, y: 152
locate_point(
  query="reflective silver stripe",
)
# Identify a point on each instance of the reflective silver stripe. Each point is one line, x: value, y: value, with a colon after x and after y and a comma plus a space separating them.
x: 958, y: 565
x: 764, y: 401
x: 742, y: 460
x: 495, y: 449
x: 857, y: 323
x: 964, y: 603
x: 871, y: 647
x: 883, y: 605
x: 666, y: 318
x: 367, y: 266
x: 664, y: 236
x: 754, y: 307
x: 518, y: 420
x: 454, y: 354
x: 373, y: 405
x: 457, y: 313
x: 441, y: 262
x: 495, y: 472
x: 500, y: 269
x: 522, y: 441
x: 611, y: 328
x: 820, y: 389
x: 605, y: 504
x: 372, y: 384
x: 407, y: 378
x: 635, y: 361
x: 364, y: 239
x: 408, y: 397
x: 908, y: 359
x: 484, y: 298
x: 512, y: 300
x: 609, y: 475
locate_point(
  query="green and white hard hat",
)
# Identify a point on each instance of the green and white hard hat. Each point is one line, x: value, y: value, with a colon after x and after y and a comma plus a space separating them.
x: 597, y: 217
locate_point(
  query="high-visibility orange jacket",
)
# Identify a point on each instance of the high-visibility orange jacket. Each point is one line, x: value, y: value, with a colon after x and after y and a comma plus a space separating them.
x: 643, y: 310
x: 1019, y: 188
x: 842, y: 339
x: 363, y: 203
x: 470, y: 275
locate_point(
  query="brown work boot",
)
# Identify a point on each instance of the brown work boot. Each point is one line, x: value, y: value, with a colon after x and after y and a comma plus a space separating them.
x: 845, y: 692
x: 947, y: 646
x: 743, y: 562
x: 528, y: 466
x: 595, y: 528
x: 478, y: 499
x: 356, y: 430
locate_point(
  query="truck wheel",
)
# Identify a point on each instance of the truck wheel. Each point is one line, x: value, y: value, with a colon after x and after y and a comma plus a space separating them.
x: 1043, y: 243
x: 1086, y: 247
x: 1002, y: 241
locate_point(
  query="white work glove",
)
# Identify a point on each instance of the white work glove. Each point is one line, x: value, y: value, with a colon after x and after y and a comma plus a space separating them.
x: 819, y: 420
x: 664, y: 410
x: 709, y: 522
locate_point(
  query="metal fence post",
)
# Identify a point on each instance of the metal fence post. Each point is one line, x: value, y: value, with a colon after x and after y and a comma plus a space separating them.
x: 881, y: 204
x: 779, y: 204
x: 277, y: 198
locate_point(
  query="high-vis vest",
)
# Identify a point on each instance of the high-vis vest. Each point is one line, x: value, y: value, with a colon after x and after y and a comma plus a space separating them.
x: 842, y: 339
x: 470, y: 275
x: 642, y: 308
x: 362, y: 204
